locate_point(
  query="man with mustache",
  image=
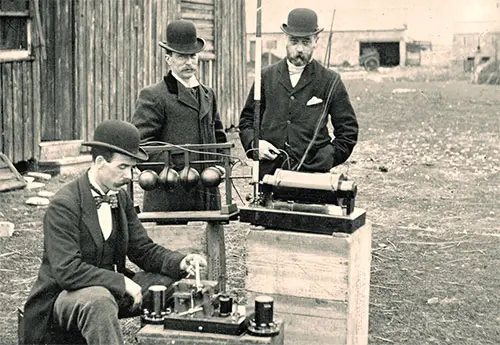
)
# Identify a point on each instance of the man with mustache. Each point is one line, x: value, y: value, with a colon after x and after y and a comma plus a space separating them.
x: 90, y: 227
x: 180, y: 110
x: 297, y: 94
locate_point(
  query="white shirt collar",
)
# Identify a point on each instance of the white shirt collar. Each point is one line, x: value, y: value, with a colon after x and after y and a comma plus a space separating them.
x: 292, y: 69
x: 191, y: 83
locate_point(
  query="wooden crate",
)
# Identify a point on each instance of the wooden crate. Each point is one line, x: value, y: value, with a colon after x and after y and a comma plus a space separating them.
x: 320, y: 283
x: 156, y: 335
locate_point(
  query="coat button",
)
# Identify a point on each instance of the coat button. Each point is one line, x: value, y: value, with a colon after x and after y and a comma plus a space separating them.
x: 292, y: 97
x: 288, y: 122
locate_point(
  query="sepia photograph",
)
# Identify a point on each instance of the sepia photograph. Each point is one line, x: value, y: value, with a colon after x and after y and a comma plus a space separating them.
x: 250, y: 172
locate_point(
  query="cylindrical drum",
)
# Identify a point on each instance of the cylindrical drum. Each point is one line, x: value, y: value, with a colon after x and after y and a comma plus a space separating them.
x: 263, y: 310
x: 226, y: 305
x: 158, y: 298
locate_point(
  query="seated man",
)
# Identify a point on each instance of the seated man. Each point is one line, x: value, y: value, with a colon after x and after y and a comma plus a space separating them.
x: 90, y: 226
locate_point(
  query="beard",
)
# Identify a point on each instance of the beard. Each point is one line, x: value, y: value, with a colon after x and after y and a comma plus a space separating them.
x: 299, y: 59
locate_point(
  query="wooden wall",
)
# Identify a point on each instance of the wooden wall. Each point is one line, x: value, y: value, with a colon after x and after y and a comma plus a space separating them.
x: 20, y: 104
x: 91, y: 58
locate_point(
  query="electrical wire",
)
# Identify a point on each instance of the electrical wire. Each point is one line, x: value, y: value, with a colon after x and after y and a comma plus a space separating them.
x: 152, y: 143
x: 320, y: 121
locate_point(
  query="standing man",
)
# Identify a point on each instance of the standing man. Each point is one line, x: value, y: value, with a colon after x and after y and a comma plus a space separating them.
x: 89, y: 228
x: 179, y: 110
x: 297, y: 95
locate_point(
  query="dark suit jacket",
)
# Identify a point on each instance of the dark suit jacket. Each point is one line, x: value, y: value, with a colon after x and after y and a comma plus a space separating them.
x: 73, y: 248
x: 164, y: 112
x: 286, y: 117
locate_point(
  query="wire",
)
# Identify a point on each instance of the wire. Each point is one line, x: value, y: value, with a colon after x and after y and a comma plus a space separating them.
x: 320, y: 121
x: 237, y: 192
x: 151, y: 143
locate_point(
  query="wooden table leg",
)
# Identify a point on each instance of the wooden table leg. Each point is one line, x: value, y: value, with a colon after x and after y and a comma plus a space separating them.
x: 216, y: 253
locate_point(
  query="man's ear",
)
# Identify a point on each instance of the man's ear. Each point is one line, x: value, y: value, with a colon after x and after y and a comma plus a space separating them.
x: 167, y: 59
x: 99, y: 161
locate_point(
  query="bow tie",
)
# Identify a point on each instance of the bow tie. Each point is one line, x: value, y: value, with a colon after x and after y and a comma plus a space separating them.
x: 111, y: 199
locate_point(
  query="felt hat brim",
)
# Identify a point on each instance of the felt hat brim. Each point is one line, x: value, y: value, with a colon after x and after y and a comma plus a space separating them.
x: 185, y: 48
x: 290, y: 31
x: 140, y: 155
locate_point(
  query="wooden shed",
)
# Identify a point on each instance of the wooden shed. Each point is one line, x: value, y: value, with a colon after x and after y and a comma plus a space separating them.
x: 67, y: 65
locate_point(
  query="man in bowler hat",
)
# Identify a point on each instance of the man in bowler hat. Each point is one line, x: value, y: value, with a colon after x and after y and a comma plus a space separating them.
x: 180, y: 110
x: 90, y: 227
x: 296, y: 93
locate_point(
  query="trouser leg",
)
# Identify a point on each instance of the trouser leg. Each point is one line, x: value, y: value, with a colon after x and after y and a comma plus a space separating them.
x: 93, y: 312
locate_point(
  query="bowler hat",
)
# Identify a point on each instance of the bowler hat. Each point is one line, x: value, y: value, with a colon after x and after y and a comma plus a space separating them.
x: 119, y: 136
x: 302, y: 22
x: 182, y: 38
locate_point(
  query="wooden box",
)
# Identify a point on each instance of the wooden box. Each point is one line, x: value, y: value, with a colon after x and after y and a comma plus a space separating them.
x: 156, y: 335
x: 320, y: 283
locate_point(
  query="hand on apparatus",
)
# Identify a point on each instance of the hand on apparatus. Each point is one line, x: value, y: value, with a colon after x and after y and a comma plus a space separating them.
x: 134, y: 290
x: 267, y: 150
x: 188, y: 264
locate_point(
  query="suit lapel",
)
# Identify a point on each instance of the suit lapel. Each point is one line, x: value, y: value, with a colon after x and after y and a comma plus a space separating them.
x: 186, y: 97
x: 89, y: 213
x: 205, y: 104
x: 284, y: 76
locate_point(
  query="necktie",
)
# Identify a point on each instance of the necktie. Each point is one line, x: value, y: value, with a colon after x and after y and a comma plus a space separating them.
x: 194, y: 92
x: 111, y: 199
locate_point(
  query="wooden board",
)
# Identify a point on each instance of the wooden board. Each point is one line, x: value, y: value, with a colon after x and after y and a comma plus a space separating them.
x: 319, y: 282
x: 156, y: 335
x: 9, y: 177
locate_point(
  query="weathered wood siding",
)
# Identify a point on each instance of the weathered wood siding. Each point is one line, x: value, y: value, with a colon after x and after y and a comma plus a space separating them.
x: 20, y: 104
x: 91, y: 58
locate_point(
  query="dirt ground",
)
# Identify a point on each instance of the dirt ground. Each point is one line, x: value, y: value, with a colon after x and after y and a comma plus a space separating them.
x: 428, y: 170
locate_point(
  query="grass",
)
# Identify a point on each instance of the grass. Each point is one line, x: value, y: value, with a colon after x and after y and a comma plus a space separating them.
x: 428, y: 170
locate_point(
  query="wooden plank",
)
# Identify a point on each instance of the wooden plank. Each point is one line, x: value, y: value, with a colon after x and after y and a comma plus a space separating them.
x: 194, y: 16
x: 134, y: 61
x: 90, y: 4
x: 8, y: 110
x: 113, y: 67
x: 28, y: 127
x: 63, y: 124
x: 156, y: 37
x: 51, y: 150
x: 47, y: 69
x: 15, y: 181
x: 147, y: 41
x: 141, y: 60
x: 216, y: 253
x: 35, y: 86
x: 359, y: 284
x: 17, y: 114
x: 3, y: 90
x: 156, y: 335
x: 196, y: 7
x: 106, y: 36
x: 186, y: 216
x: 320, y: 283
x: 308, y: 265
x: 99, y: 60
x: 120, y: 51
x: 126, y: 75
x: 198, y: 1
x: 80, y: 75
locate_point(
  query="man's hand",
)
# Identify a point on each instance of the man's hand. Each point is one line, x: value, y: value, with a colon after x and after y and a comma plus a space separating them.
x: 134, y: 290
x: 188, y: 264
x: 267, y: 150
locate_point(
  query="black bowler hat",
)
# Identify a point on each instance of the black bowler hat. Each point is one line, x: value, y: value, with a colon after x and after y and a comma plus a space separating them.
x: 182, y: 38
x: 302, y: 22
x: 119, y: 136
